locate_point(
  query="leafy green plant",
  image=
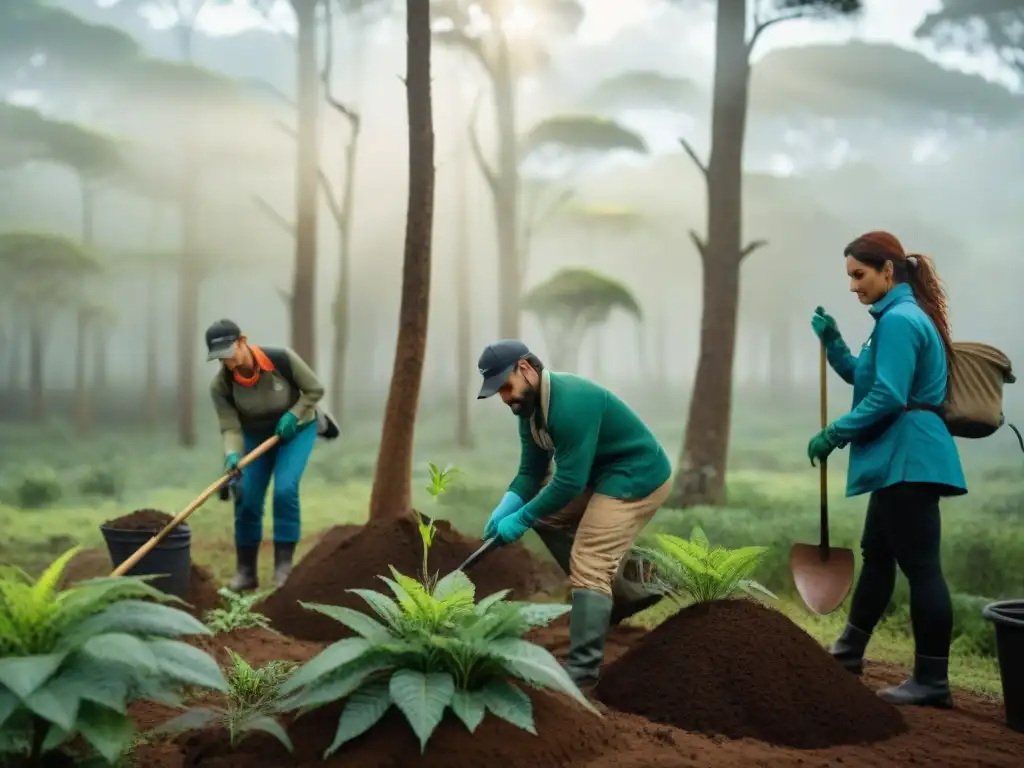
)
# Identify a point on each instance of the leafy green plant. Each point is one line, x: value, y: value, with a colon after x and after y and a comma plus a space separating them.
x: 681, y: 568
x: 252, y: 694
x: 102, y: 481
x: 427, y: 651
x: 439, y: 481
x: 237, y: 612
x: 37, y: 487
x: 72, y: 661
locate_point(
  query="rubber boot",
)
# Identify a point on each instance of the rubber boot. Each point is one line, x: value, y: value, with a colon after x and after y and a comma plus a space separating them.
x: 630, y: 597
x: 283, y: 552
x: 588, y: 629
x: 927, y: 687
x: 849, y: 649
x: 246, y: 578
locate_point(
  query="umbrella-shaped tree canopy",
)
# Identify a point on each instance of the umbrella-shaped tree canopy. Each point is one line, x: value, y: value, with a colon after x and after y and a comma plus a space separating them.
x: 582, y: 133
x: 26, y: 135
x: 604, y: 218
x: 646, y: 89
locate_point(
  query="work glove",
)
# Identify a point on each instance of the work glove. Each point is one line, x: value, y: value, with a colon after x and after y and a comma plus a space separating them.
x: 510, y: 502
x: 512, y: 528
x: 231, y: 486
x: 822, y: 444
x: 287, y: 426
x: 824, y: 326
x: 231, y: 461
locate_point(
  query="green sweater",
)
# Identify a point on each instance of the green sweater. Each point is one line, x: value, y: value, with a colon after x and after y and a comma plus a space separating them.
x: 599, y: 443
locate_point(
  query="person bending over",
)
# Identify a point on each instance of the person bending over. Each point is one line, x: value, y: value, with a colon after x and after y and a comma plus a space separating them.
x: 901, y: 453
x: 610, y: 476
x: 258, y: 393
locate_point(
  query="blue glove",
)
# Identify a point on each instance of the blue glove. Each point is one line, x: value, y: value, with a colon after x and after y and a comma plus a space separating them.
x: 287, y: 426
x: 510, y: 502
x: 231, y: 461
x: 512, y: 528
x: 824, y: 326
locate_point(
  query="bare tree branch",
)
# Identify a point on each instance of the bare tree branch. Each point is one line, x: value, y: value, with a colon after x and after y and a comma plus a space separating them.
x: 459, y: 39
x: 489, y: 174
x: 326, y: 73
x: 752, y: 246
x: 689, y: 150
x: 761, y: 26
x: 274, y: 215
x: 700, y: 245
x: 543, y: 219
x: 332, y: 199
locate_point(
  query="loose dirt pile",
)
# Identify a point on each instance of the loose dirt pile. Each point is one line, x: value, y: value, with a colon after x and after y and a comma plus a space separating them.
x: 739, y: 669
x: 342, y: 560
x: 140, y: 520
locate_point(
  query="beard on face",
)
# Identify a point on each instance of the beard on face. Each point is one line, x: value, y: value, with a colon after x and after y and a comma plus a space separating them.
x: 525, y: 405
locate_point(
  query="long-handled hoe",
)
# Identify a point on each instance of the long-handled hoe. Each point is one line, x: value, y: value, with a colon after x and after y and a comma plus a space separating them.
x: 142, y: 551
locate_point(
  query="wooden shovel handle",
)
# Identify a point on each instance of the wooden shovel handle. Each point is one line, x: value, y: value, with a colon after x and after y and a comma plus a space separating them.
x: 823, y: 464
x: 142, y: 551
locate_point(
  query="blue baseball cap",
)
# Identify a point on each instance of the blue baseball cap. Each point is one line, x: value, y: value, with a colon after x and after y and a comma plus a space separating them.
x: 496, y: 362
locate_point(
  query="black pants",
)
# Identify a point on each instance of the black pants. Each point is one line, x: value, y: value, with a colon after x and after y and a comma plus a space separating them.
x: 903, y: 528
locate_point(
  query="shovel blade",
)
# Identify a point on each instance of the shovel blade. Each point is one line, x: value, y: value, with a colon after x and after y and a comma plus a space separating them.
x: 822, y: 581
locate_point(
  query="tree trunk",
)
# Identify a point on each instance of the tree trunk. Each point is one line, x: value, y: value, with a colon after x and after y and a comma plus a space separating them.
x: 392, y: 484
x: 14, y: 358
x: 506, y: 194
x: 81, y: 397
x: 151, y: 396
x: 343, y: 293
x: 36, y: 385
x: 700, y: 477
x: 100, y: 344
x: 190, y: 280
x: 303, y: 300
x: 463, y: 311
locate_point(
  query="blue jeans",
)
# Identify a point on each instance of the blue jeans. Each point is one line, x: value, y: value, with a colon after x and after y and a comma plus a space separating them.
x: 284, y: 462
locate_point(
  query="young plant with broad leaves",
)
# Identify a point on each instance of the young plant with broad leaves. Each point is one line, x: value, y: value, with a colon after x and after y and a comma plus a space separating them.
x: 439, y: 481
x: 692, y: 569
x: 72, y: 661
x: 237, y: 612
x: 252, y: 695
x: 428, y: 651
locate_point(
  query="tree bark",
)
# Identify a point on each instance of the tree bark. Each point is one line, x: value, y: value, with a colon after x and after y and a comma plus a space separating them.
x: 700, y: 477
x: 392, y: 483
x: 506, y: 193
x: 151, y: 395
x: 303, y: 299
x: 81, y: 398
x: 463, y: 311
x: 36, y: 343
x: 189, y: 282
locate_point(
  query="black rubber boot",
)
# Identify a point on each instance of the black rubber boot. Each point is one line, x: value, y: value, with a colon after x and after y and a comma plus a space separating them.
x: 283, y: 552
x: 849, y: 649
x: 927, y: 687
x: 246, y: 578
x: 588, y: 629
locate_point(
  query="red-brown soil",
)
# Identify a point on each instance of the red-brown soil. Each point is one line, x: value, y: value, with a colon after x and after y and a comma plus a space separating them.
x: 342, y: 560
x: 94, y: 563
x: 740, y: 669
x: 971, y: 736
x: 140, y: 520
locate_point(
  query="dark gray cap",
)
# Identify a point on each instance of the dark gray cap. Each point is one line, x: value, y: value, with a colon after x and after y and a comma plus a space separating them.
x: 220, y: 339
x: 496, y: 362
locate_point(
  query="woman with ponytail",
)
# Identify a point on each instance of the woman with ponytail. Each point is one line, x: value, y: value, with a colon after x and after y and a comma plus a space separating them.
x: 901, y: 453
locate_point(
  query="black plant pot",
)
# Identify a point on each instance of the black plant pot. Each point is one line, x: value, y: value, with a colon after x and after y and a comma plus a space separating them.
x: 171, y: 558
x: 1008, y: 617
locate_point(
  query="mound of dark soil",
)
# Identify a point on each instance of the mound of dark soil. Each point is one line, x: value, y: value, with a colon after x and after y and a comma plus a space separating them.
x: 740, y: 669
x: 342, y: 560
x: 140, y: 520
x: 202, y: 590
x: 569, y: 735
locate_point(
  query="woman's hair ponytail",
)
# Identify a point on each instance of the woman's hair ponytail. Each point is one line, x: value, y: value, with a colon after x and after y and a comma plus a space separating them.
x: 930, y: 294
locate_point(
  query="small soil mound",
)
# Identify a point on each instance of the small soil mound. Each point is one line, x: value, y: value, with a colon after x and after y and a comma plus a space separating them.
x: 568, y: 735
x: 342, y: 561
x: 87, y: 564
x: 740, y: 669
x: 257, y: 646
x: 202, y: 590
x: 140, y: 520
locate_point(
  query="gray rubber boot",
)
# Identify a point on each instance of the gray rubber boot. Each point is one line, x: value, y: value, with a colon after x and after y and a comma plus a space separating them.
x: 245, y: 578
x: 588, y: 629
x: 927, y: 687
x: 849, y: 649
x: 631, y: 597
x: 283, y: 552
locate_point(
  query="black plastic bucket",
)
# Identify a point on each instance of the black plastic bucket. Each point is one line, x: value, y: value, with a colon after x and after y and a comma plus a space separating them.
x: 1008, y: 617
x: 171, y: 558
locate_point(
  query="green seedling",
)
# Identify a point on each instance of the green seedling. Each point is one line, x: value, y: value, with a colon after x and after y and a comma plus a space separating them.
x: 439, y: 482
x: 237, y: 612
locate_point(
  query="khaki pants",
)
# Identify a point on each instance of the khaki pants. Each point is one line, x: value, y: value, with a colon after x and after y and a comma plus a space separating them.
x: 602, y: 530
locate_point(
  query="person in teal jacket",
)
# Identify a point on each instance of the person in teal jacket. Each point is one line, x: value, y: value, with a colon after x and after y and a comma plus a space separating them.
x: 901, y: 453
x: 610, y: 476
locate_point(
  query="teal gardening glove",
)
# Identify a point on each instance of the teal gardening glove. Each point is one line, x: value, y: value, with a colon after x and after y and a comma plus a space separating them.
x: 287, y: 426
x: 824, y: 326
x: 510, y: 503
x: 512, y: 528
x: 231, y: 461
x: 822, y: 444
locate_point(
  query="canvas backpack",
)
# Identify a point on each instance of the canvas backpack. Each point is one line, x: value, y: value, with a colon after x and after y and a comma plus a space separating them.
x: 326, y: 426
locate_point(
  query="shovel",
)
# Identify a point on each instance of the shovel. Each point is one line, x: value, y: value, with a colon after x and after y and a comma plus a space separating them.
x: 823, y: 574
x: 142, y: 551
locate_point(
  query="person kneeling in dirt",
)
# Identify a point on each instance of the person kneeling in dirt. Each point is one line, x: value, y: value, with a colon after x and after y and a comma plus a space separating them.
x: 259, y: 392
x: 901, y: 453
x: 610, y: 476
